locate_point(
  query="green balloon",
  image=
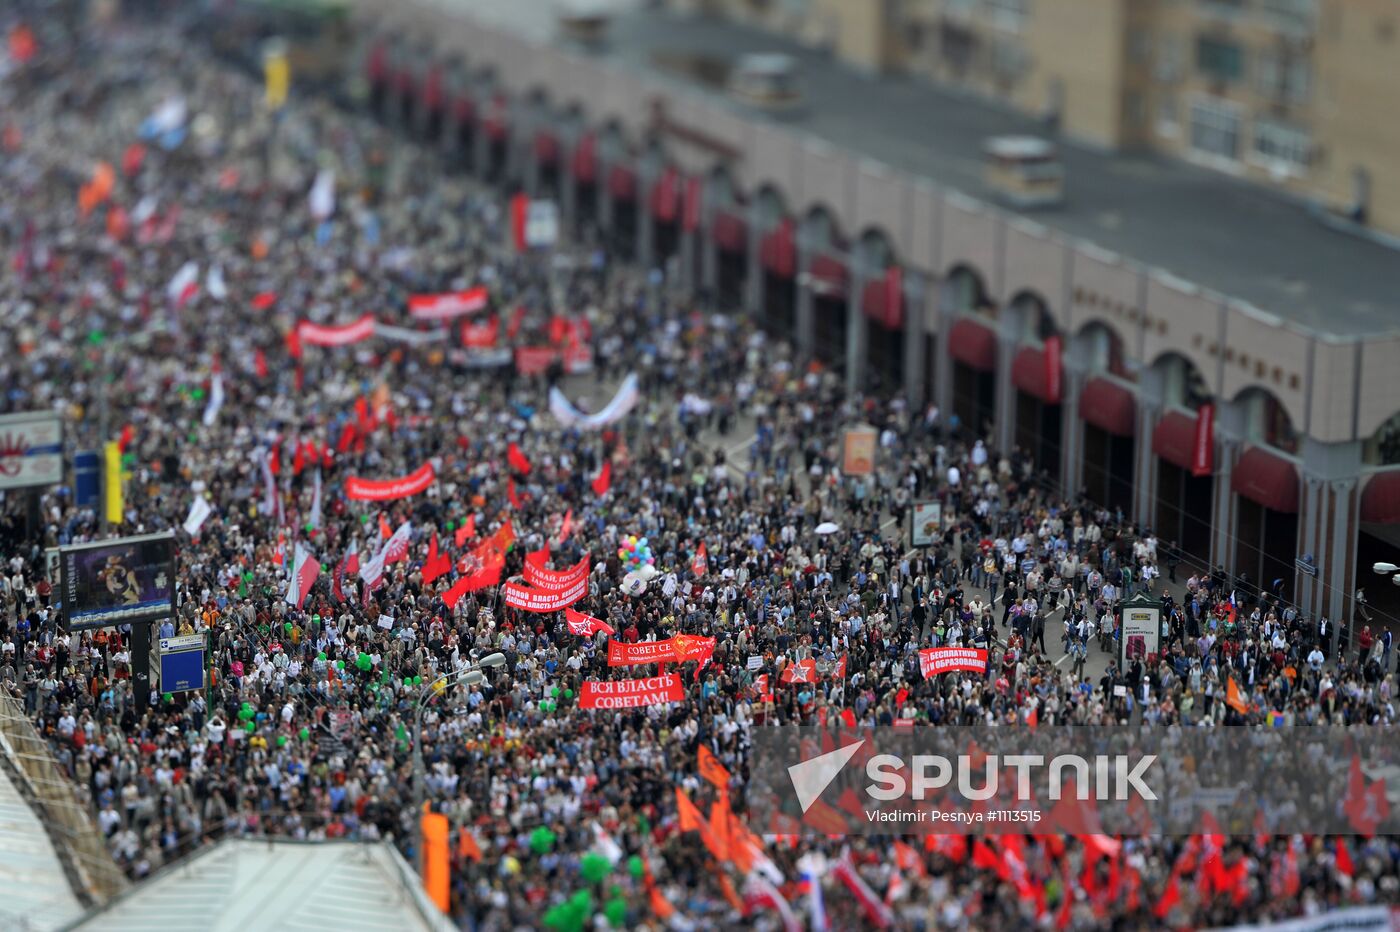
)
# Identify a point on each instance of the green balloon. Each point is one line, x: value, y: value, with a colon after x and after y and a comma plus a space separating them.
x: 407, y: 682
x: 304, y: 733
x: 418, y: 681
x: 541, y: 840
x: 287, y: 627
x: 594, y: 867
x: 320, y: 655
x: 281, y: 741
x: 616, y: 913
x: 315, y: 617
x: 363, y: 662
x: 168, y: 697
x: 198, y: 393
x: 554, y: 692
x: 340, y: 664
x: 635, y: 867
x: 364, y: 519
x: 251, y: 727
x: 248, y: 576
x: 568, y: 694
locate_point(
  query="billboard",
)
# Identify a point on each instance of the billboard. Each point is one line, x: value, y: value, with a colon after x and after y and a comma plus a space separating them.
x: 31, y: 449
x: 858, y: 451
x: 182, y: 663
x: 116, y: 582
x: 1140, y: 626
x: 925, y: 523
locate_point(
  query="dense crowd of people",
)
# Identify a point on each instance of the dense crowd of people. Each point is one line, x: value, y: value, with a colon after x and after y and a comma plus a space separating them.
x: 307, y: 726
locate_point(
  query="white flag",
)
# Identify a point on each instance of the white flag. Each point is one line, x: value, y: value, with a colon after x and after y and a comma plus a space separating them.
x: 394, y: 549
x: 322, y: 197
x: 214, y: 283
x: 200, y: 510
x: 184, y: 286
x: 315, y: 520
x: 216, y: 399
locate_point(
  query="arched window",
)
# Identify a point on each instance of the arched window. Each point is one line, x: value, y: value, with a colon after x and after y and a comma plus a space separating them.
x: 1184, y: 386
x: 1267, y: 421
x: 1383, y: 447
x: 1038, y: 325
x: 965, y: 292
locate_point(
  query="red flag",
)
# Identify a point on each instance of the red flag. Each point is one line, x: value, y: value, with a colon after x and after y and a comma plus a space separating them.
x: 585, y: 625
x: 1344, y: 863
x: 128, y: 434
x: 298, y: 459
x: 604, y: 480
x: 467, y: 848
x: 467, y: 531
x: 1203, y: 449
x: 133, y: 158
x: 701, y: 565
x: 985, y: 858
x: 1170, y: 897
x: 517, y: 460
x: 260, y: 363
x: 385, y: 531
x: 803, y: 671
x: 1033, y: 719
x: 566, y: 527
x: 264, y: 300
x: 274, y: 458
x: 517, y: 320
x: 294, y: 343
x: 488, y: 575
x: 511, y: 494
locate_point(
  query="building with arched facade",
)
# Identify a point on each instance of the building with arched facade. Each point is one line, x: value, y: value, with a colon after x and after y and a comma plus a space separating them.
x: 857, y: 234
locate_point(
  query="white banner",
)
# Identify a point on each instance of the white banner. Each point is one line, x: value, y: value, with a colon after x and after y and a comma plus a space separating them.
x: 31, y: 449
x: 567, y: 415
x: 407, y: 335
x: 200, y: 510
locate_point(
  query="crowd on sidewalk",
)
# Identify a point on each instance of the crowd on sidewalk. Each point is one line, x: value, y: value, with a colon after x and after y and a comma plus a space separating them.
x: 307, y: 726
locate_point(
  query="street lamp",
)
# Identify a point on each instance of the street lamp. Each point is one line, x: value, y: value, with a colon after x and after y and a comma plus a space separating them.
x: 470, y: 676
x: 1386, y: 569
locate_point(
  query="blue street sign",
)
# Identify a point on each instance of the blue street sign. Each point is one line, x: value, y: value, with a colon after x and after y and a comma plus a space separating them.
x: 182, y: 671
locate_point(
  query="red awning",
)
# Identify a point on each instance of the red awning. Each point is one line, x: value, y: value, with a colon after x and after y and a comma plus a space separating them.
x: 1380, y: 499
x: 497, y: 118
x: 378, y: 62
x: 1174, y: 439
x: 465, y: 108
x: 729, y: 230
x: 973, y: 344
x: 778, y: 251
x: 1028, y: 373
x: 1267, y: 479
x: 665, y: 199
x: 1111, y: 407
x: 586, y: 158
x: 882, y: 300
x: 432, y: 88
x: 622, y: 183
x: 546, y: 147
x: 829, y: 276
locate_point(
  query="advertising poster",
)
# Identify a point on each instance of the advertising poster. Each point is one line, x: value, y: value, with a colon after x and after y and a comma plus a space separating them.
x: 31, y: 449
x: 116, y: 582
x: 858, y: 451
x: 1140, y: 622
x: 926, y: 523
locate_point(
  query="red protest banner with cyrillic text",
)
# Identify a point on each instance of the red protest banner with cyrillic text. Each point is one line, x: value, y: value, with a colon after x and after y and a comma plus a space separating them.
x: 628, y: 655
x: 936, y: 660
x: 630, y: 694
x: 383, y: 490
x: 543, y: 578
x: 529, y: 599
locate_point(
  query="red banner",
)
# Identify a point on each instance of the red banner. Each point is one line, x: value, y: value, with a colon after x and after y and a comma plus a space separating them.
x: 532, y: 360
x: 676, y: 649
x: 482, y: 335
x: 529, y: 599
x: 383, y: 490
x: 586, y: 625
x: 630, y: 694
x: 318, y: 335
x: 1054, y: 367
x: 537, y: 575
x: 1203, y: 447
x: 936, y: 660
x: 519, y: 213
x: 447, y: 305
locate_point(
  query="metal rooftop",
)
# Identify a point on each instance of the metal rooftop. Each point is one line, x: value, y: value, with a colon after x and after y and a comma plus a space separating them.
x: 1224, y: 234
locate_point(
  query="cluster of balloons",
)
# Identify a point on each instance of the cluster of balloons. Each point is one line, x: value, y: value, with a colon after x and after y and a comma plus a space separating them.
x: 635, y: 553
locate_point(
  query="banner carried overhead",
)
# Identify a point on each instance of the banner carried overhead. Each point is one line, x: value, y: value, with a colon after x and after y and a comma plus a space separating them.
x: 383, y: 490
x: 556, y: 579
x: 630, y: 694
x: 936, y: 660
x: 343, y: 335
x: 447, y: 305
x: 529, y: 599
x: 624, y: 401
x: 677, y: 649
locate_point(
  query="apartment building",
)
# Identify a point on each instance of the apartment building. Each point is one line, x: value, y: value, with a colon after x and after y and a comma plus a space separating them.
x: 1294, y: 94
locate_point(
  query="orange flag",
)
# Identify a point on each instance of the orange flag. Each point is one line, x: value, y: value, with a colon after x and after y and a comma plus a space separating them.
x: 690, y: 816
x: 712, y: 770
x: 659, y: 904
x: 1233, y: 698
x: 717, y: 838
x: 467, y: 848
x: 436, y: 875
x: 742, y: 844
